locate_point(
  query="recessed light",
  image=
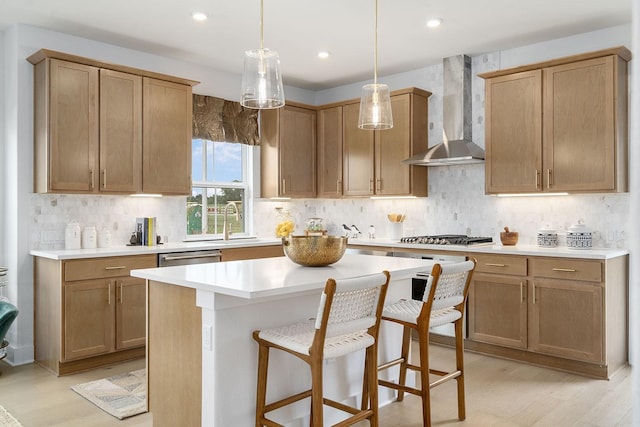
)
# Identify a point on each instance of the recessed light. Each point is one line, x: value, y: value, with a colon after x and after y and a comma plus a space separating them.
x: 434, y: 22
x: 199, y: 16
x: 324, y: 54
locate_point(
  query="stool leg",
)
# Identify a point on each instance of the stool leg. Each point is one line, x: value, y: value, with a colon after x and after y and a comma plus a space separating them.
x: 316, y: 392
x: 263, y: 363
x: 406, y: 345
x: 365, y: 384
x: 371, y: 373
x: 460, y: 367
x: 423, y: 337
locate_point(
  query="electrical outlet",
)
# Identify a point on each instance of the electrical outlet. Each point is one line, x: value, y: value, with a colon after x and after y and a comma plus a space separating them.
x: 206, y: 337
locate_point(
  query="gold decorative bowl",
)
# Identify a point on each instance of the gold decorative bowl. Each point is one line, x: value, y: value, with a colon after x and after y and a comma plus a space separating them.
x: 314, y: 251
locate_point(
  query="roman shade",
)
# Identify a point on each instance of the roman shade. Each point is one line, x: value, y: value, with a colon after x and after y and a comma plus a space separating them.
x: 217, y: 119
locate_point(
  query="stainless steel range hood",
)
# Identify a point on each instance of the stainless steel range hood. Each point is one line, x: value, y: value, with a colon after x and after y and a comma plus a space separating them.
x: 457, y: 147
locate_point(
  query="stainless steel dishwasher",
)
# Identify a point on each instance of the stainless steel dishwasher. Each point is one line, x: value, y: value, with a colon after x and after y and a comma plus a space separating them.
x: 189, y: 257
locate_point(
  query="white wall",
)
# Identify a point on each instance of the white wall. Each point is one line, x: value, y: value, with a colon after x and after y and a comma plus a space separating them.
x: 2, y: 158
x: 634, y: 214
x: 456, y: 204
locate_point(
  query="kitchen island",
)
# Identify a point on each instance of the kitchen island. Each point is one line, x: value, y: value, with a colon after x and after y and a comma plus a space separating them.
x: 201, y: 359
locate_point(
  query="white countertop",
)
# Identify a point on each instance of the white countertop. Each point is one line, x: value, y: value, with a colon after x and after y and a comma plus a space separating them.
x: 123, y: 249
x: 498, y: 249
x: 279, y: 276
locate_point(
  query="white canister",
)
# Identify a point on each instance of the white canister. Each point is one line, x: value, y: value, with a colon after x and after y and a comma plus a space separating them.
x: 89, y: 238
x: 72, y: 235
x: 579, y: 236
x: 104, y: 238
x: 397, y: 230
x: 547, y: 237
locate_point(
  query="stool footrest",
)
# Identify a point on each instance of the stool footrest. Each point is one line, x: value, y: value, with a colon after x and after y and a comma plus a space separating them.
x: 445, y: 378
x: 400, y: 387
x: 284, y: 402
x: 390, y: 364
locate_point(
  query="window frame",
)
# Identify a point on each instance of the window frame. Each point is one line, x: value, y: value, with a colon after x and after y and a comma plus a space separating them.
x: 248, y: 178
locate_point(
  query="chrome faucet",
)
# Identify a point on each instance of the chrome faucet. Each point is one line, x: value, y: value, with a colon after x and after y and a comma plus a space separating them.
x: 225, y: 226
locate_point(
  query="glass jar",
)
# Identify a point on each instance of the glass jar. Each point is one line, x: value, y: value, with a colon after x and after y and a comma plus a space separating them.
x: 315, y: 226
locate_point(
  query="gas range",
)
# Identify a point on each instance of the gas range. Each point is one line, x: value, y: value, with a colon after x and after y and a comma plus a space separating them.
x: 449, y: 239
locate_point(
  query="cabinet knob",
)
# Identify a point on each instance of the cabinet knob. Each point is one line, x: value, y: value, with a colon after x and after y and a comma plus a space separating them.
x: 104, y: 179
x: 90, y: 179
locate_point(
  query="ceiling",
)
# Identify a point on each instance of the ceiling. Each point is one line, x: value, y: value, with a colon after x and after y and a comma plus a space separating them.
x: 298, y: 29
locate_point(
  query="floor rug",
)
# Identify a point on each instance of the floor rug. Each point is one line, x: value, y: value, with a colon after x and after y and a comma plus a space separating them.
x: 7, y: 420
x: 122, y: 395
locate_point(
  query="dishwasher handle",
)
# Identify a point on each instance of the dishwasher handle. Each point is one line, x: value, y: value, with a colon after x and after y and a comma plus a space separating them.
x: 178, y: 258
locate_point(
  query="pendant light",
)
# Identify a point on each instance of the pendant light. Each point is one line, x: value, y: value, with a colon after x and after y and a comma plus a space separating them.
x: 261, y: 79
x: 375, y: 104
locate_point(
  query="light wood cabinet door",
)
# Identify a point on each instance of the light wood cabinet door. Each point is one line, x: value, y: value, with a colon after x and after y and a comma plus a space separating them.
x: 131, y: 297
x: 513, y: 131
x: 559, y: 125
x: 120, y: 132
x: 288, y: 152
x: 566, y: 319
x: 329, y: 152
x: 167, y: 123
x: 72, y: 112
x: 297, y: 152
x: 497, y: 310
x: 359, y: 151
x: 234, y: 254
x: 391, y: 147
x: 579, y: 115
x: 88, y: 318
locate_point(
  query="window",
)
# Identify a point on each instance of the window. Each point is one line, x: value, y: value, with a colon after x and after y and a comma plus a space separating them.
x: 221, y: 176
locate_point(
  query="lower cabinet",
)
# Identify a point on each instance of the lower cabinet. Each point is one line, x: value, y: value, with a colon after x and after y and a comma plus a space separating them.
x: 569, y: 314
x: 253, y: 252
x: 89, y: 312
x: 498, y: 310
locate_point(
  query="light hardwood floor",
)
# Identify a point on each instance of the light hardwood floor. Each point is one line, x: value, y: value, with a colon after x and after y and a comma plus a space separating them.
x: 499, y: 393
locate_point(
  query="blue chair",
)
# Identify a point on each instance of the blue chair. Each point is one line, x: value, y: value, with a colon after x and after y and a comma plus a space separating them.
x: 8, y: 313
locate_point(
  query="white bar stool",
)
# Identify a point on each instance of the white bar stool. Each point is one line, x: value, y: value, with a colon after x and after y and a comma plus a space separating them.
x: 348, y: 320
x: 443, y: 302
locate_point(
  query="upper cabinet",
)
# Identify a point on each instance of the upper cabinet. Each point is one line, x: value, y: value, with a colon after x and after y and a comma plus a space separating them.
x: 353, y: 162
x: 558, y: 126
x: 120, y: 132
x: 97, y: 132
x: 288, y: 151
x: 329, y: 164
x: 166, y: 154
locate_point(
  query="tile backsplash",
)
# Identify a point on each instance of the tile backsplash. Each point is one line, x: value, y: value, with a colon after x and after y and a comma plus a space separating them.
x: 457, y: 205
x: 51, y: 212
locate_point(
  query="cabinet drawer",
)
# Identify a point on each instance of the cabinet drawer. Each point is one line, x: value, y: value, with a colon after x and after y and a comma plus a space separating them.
x: 94, y: 268
x: 501, y: 264
x: 571, y: 269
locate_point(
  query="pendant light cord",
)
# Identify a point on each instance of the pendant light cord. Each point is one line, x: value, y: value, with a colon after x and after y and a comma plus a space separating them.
x: 375, y: 48
x: 261, y: 24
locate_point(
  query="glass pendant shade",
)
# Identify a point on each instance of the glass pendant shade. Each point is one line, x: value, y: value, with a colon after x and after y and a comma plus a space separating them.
x: 261, y: 80
x: 375, y: 108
